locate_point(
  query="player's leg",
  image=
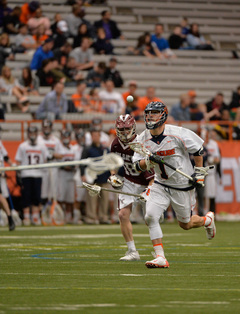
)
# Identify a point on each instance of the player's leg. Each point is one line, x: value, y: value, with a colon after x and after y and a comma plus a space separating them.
x: 104, y: 205
x: 7, y: 210
x: 183, y: 203
x: 36, y: 200
x: 26, y: 190
x: 69, y: 197
x: 158, y: 201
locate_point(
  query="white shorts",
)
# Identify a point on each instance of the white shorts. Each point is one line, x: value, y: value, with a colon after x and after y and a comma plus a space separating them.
x: 80, y: 193
x: 160, y: 198
x: 130, y: 187
x: 4, y: 187
x: 210, y: 185
x: 49, y: 183
x: 66, y: 186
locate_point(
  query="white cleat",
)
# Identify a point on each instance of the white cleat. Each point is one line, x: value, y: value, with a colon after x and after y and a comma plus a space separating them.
x: 211, y: 228
x: 158, y: 262
x: 130, y: 256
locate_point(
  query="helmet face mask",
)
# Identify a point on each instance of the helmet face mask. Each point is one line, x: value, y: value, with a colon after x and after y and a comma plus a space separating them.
x: 47, y: 127
x: 80, y: 137
x: 155, y: 115
x: 66, y: 137
x: 32, y: 133
x: 125, y: 128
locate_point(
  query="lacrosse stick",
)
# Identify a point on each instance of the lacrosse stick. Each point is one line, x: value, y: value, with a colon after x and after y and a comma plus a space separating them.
x: 141, y: 150
x: 99, y: 165
x: 95, y: 190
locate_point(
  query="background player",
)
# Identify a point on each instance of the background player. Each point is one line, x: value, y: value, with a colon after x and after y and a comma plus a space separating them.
x: 134, y: 182
x: 174, y: 144
x: 31, y: 152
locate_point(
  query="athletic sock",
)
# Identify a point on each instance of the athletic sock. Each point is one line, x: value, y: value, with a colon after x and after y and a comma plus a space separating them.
x: 131, y: 246
x: 207, y: 221
x: 158, y: 248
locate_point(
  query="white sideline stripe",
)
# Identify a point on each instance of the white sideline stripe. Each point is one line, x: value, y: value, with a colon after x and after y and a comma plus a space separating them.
x: 116, y: 275
x: 121, y: 289
x: 85, y: 236
x: 69, y: 307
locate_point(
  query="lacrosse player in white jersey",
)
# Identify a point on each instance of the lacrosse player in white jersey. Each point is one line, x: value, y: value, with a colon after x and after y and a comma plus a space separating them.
x: 3, y: 186
x: 80, y: 194
x: 31, y: 152
x: 66, y: 184
x: 49, y: 176
x: 173, y: 144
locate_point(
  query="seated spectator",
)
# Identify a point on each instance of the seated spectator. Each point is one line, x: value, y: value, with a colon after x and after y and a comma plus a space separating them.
x: 54, y: 104
x: 6, y: 51
x: 91, y: 30
x: 10, y: 86
x: 149, y: 97
x: 42, y: 53
x: 131, y: 107
x: 111, y: 29
x: 57, y: 18
x: 4, y: 10
x: 34, y: 22
x: 112, y: 101
x: 71, y: 71
x: 62, y: 53
x: 132, y: 87
x: 197, y: 41
x: 30, y: 83
x: 80, y: 99
x: 95, y: 101
x: 83, y: 55
x: 235, y: 104
x: 58, y: 72
x: 184, y: 27
x: 44, y: 73
x: 197, y: 111
x: 102, y: 45
x: 215, y: 107
x: 28, y: 10
x: 144, y: 47
x: 61, y: 34
x: 181, y: 111
x: 82, y: 32
x: 176, y: 39
x: 11, y: 21
x: 113, y: 74
x: 74, y: 20
x: 96, y: 76
x: 24, y: 41
x: 40, y: 37
x: 161, y: 43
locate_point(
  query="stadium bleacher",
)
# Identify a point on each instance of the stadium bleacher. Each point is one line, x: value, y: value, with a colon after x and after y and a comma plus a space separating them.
x: 205, y: 71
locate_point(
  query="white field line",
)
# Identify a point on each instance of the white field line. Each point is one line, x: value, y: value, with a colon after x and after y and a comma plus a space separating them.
x: 114, y: 275
x: 72, y: 307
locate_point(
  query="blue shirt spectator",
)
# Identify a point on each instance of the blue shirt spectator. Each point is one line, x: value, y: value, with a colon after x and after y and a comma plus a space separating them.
x: 181, y: 111
x: 54, y: 104
x: 157, y: 38
x: 42, y: 53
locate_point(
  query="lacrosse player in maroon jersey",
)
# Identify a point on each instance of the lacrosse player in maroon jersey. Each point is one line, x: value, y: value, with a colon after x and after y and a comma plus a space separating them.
x: 133, y: 182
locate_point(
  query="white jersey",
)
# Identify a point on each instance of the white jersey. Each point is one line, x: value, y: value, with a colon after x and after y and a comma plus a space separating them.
x: 174, y: 145
x: 3, y: 153
x: 31, y: 155
x: 68, y: 154
x: 78, y: 149
x: 213, y: 149
x: 52, y: 143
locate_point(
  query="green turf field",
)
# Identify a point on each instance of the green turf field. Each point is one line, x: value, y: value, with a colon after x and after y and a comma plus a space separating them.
x: 76, y: 269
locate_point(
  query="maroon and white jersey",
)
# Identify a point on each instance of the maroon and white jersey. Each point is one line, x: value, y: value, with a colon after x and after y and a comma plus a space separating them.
x: 126, y: 153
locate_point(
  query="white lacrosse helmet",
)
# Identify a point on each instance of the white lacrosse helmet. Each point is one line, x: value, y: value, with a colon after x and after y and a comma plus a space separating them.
x: 126, y: 128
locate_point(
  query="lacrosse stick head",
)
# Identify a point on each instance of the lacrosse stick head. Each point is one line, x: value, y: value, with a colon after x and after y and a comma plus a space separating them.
x: 106, y: 162
x: 93, y: 190
x: 140, y: 149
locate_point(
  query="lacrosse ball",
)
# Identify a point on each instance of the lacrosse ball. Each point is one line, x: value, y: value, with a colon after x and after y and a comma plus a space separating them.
x: 130, y: 98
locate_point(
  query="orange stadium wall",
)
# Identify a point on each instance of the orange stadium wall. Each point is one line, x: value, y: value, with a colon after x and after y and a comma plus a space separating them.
x: 228, y: 189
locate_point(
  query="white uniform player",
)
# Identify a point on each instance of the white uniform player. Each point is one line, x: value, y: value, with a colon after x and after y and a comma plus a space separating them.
x: 134, y: 182
x: 173, y: 144
x: 211, y: 180
x: 66, y: 183
x: 31, y: 152
x: 104, y: 138
x: 49, y: 176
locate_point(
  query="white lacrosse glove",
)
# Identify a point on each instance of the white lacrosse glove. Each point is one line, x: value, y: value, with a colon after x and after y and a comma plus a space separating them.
x: 149, y: 163
x: 115, y: 182
x: 198, y: 176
